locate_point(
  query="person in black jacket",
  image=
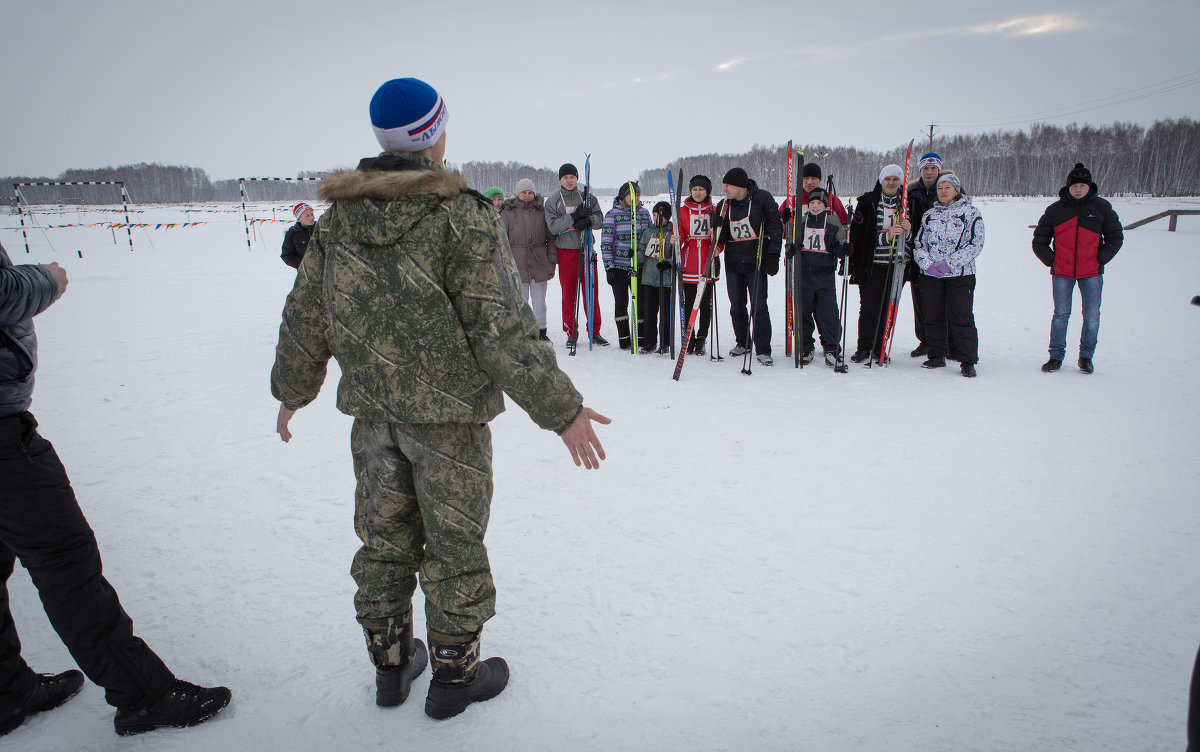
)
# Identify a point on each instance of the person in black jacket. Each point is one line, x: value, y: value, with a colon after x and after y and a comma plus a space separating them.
x: 922, y: 194
x: 876, y: 225
x: 752, y: 222
x: 1076, y: 237
x: 295, y: 240
x: 820, y: 249
x: 42, y: 525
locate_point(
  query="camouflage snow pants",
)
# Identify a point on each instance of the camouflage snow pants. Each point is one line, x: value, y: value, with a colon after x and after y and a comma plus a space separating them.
x: 421, y: 507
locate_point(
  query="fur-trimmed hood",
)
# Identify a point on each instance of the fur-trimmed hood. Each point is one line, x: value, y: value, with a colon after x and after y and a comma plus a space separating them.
x: 390, y: 179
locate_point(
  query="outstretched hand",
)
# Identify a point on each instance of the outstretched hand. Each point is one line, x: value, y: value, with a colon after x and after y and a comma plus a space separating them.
x: 580, y: 438
x: 281, y: 423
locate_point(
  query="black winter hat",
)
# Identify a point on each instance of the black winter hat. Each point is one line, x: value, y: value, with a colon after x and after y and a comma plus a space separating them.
x: 623, y: 191
x: 662, y: 209
x: 702, y: 181
x: 568, y: 169
x: 816, y: 194
x: 737, y: 176
x: 1080, y: 174
x: 812, y: 170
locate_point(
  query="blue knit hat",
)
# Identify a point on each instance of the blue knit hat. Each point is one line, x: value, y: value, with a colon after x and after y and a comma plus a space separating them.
x: 930, y: 158
x: 407, y: 115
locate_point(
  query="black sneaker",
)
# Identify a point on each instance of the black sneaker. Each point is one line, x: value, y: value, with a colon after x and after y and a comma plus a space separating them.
x: 922, y: 349
x: 446, y: 700
x: 185, y: 704
x: 570, y: 343
x: 50, y: 691
x: 859, y: 356
x: 831, y: 358
x: 663, y: 350
x: 392, y: 683
x: 598, y: 340
x: 807, y: 357
x: 968, y: 370
x: 1052, y: 365
x: 1085, y: 365
x: 542, y: 336
x: 738, y: 351
x: 938, y: 362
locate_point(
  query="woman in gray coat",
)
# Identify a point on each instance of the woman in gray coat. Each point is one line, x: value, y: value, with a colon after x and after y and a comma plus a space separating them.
x: 524, y: 217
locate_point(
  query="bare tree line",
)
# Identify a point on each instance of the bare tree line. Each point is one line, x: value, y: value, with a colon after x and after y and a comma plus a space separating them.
x: 1162, y: 160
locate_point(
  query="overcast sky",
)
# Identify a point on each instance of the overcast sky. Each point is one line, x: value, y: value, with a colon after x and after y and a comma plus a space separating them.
x: 265, y: 89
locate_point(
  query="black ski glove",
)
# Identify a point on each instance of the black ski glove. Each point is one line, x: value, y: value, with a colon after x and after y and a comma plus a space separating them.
x: 582, y: 210
x: 791, y: 251
x: 616, y: 277
x: 664, y: 266
x: 582, y: 223
x: 786, y: 214
x: 770, y: 265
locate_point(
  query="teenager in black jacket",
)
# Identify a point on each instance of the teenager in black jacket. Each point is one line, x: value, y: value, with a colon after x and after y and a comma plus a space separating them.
x: 295, y: 240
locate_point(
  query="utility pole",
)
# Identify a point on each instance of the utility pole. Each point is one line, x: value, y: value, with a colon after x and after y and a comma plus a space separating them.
x: 931, y: 136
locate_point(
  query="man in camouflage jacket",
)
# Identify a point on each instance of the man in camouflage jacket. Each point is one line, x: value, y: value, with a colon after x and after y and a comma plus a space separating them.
x: 410, y: 284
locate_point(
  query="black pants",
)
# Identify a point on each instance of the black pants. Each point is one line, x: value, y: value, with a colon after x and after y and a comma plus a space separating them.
x: 655, y: 315
x: 949, y: 306
x: 747, y: 284
x: 818, y: 297
x: 706, y: 304
x: 870, y: 304
x: 42, y: 525
x: 621, y: 311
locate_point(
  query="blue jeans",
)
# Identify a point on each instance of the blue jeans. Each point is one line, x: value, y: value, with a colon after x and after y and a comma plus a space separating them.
x: 1089, y: 291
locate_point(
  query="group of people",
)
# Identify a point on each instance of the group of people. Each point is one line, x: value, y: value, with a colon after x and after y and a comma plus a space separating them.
x: 933, y: 247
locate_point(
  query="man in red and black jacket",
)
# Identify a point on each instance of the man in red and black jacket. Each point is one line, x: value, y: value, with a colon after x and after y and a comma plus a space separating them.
x: 1076, y: 237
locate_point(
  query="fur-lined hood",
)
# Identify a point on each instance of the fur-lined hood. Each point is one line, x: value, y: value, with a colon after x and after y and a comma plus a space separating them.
x: 353, y: 185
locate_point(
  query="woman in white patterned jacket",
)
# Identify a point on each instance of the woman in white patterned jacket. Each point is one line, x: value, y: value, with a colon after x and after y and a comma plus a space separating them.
x: 950, y: 237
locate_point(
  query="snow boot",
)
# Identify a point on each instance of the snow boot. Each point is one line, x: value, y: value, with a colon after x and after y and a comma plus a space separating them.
x: 938, y: 362
x: 1052, y: 365
x: 459, y: 677
x: 598, y: 340
x: 738, y: 351
x: 968, y: 370
x: 765, y: 359
x: 696, y: 346
x: 398, y: 658
x: 184, y: 704
x: 542, y: 336
x: 859, y: 356
x: 922, y: 349
x: 623, y: 333
x: 831, y: 358
x: 807, y: 357
x: 1085, y: 365
x: 570, y: 343
x: 50, y: 691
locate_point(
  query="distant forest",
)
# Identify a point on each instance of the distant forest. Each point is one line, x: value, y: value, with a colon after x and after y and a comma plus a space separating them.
x: 1162, y: 160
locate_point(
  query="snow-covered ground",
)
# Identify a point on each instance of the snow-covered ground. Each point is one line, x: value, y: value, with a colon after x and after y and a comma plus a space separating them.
x: 892, y: 559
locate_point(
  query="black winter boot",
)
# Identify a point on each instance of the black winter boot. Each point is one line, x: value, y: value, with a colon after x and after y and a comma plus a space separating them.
x: 1085, y: 365
x: 623, y: 333
x: 184, y: 704
x: 459, y: 677
x: 542, y: 336
x: 1052, y: 365
x: 937, y: 362
x: 50, y: 691
x: 398, y: 658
